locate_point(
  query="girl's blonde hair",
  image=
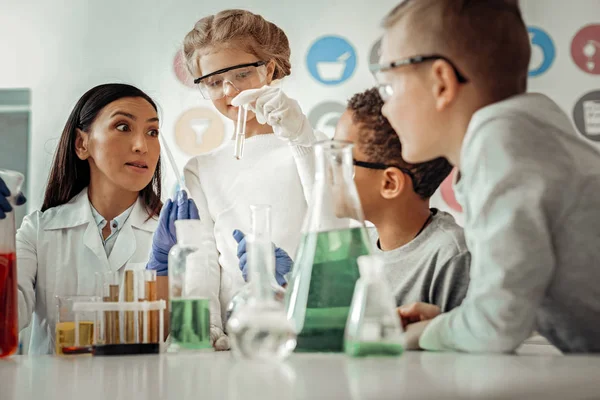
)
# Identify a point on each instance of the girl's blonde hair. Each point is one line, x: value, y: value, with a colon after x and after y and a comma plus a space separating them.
x: 242, y: 28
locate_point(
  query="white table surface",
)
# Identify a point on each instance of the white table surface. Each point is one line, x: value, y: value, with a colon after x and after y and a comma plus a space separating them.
x: 199, y: 376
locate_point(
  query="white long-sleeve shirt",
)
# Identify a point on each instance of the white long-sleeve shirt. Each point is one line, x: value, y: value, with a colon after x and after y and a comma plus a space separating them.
x: 530, y: 189
x: 272, y: 171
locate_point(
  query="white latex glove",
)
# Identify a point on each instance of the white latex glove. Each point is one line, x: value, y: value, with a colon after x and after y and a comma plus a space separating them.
x: 283, y: 114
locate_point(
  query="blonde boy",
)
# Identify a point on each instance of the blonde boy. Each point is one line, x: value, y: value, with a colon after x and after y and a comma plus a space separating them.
x: 453, y: 74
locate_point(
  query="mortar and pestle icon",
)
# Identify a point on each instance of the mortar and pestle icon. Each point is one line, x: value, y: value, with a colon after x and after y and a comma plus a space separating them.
x: 333, y: 70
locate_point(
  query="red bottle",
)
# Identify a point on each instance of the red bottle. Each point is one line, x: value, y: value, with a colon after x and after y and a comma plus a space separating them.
x: 9, y: 315
x: 9, y: 319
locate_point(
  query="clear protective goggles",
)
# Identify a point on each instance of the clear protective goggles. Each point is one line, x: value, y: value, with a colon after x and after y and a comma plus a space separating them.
x: 386, y: 90
x: 232, y: 80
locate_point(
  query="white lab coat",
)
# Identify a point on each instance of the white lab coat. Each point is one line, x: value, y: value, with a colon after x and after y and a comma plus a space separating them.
x: 60, y: 251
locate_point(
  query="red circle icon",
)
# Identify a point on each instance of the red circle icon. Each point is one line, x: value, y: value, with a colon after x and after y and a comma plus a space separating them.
x: 181, y: 71
x: 448, y: 192
x: 585, y: 49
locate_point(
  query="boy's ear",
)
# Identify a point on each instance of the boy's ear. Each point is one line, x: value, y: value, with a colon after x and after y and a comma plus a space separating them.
x: 393, y: 183
x: 445, y: 84
x: 81, y: 145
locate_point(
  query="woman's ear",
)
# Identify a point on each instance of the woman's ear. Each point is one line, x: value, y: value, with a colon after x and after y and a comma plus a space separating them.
x: 81, y: 145
x: 393, y: 183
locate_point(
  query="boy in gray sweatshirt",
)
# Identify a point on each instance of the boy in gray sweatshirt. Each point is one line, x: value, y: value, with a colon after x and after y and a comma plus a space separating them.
x: 426, y: 258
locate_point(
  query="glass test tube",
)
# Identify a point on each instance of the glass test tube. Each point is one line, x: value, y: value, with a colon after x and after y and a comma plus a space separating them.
x: 108, y: 290
x: 140, y: 295
x: 240, y: 132
x: 152, y: 295
x: 129, y: 317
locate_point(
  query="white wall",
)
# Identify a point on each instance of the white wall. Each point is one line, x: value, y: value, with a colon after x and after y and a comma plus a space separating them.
x: 61, y: 48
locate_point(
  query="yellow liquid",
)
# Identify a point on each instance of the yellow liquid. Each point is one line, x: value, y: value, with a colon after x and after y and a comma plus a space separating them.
x: 65, y: 335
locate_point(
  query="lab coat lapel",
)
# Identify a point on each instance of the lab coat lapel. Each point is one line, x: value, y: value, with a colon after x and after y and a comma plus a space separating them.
x: 124, y: 247
x: 126, y: 244
x: 86, y: 274
x: 91, y: 236
x: 81, y: 233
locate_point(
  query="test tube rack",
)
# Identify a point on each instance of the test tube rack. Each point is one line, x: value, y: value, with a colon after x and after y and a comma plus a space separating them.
x: 143, y: 307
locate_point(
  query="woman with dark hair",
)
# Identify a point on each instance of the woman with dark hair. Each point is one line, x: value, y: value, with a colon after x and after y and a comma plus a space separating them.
x: 100, y: 208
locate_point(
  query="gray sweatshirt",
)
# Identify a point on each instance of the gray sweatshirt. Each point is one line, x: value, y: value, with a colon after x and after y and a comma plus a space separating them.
x: 530, y: 190
x: 432, y: 268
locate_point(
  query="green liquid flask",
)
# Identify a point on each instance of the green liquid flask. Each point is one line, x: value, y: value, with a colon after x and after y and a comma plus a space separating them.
x: 325, y: 270
x: 373, y: 327
x: 193, y: 290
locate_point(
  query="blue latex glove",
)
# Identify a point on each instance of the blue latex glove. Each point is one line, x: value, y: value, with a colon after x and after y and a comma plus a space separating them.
x: 164, y: 238
x: 5, y: 206
x: 283, y: 262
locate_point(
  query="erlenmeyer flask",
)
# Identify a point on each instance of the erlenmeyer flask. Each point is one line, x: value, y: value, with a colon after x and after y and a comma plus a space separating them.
x: 373, y: 326
x: 333, y: 237
x: 258, y: 328
x: 245, y: 293
x: 9, y: 318
x: 192, y: 294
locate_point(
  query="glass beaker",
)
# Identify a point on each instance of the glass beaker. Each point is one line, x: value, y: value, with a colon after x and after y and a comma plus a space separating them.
x: 189, y: 290
x: 9, y: 315
x: 258, y: 328
x: 72, y: 337
x: 373, y: 326
x: 333, y: 237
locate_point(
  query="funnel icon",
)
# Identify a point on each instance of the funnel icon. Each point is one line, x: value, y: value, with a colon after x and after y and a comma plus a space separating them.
x: 199, y: 126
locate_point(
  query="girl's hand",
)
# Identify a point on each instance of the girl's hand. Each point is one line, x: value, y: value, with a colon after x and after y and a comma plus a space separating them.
x: 282, y: 113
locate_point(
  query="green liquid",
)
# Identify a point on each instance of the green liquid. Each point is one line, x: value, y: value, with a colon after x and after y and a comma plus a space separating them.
x: 326, y: 262
x: 362, y: 349
x: 190, y: 323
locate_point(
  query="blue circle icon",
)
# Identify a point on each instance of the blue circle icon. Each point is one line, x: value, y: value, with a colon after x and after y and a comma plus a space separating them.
x: 543, y: 51
x: 331, y: 60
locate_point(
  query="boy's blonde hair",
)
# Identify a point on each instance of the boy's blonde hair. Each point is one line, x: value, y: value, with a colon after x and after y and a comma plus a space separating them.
x: 238, y: 28
x: 487, y: 39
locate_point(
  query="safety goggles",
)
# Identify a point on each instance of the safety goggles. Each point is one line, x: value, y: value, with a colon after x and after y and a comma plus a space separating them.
x: 380, y: 166
x: 386, y: 90
x: 218, y: 84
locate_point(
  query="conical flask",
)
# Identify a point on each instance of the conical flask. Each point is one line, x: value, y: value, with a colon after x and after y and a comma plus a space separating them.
x: 258, y: 328
x: 333, y: 237
x: 373, y: 326
x: 193, y: 291
x: 258, y: 213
